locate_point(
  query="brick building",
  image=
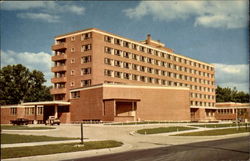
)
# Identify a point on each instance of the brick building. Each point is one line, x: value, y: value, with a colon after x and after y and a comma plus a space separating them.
x: 91, y: 57
x: 106, y: 77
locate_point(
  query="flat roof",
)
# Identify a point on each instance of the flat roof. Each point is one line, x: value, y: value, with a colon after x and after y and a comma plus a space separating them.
x: 47, y: 103
x: 123, y: 99
x: 129, y: 86
x: 25, y: 104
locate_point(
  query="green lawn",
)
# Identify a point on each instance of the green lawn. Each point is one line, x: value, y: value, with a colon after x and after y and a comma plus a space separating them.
x: 11, y: 127
x: 216, y: 132
x: 15, y: 138
x: 56, y: 148
x: 220, y: 125
x: 163, y: 130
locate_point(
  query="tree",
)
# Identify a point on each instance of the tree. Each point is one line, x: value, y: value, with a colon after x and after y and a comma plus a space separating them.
x: 231, y: 95
x: 19, y: 84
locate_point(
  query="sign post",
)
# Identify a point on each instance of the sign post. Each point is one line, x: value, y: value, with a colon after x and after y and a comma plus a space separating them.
x: 81, y: 133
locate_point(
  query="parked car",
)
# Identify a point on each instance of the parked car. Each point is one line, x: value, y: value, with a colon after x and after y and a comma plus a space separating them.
x: 20, y: 121
x: 52, y: 121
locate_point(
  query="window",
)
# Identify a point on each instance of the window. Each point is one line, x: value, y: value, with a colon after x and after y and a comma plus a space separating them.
x: 134, y: 56
x: 108, y: 50
x: 163, y: 55
x: 86, y: 59
x: 156, y: 62
x: 72, y: 84
x: 163, y: 82
x: 72, y: 60
x: 108, y: 72
x: 142, y: 48
x: 134, y: 46
x: 150, y: 70
x: 126, y: 65
x: 117, y: 41
x: 118, y: 52
x: 29, y: 110
x: 117, y: 63
x: 134, y: 77
x: 142, y: 78
x: 126, y: 75
x: 13, y: 111
x: 156, y: 71
x: 156, y: 53
x: 73, y: 38
x: 108, y: 61
x: 134, y: 66
x: 86, y: 47
x: 142, y: 58
x: 75, y: 94
x: 150, y: 51
x: 163, y: 63
x: 126, y: 54
x: 126, y: 44
x: 150, y: 80
x: 118, y: 74
x: 72, y: 72
x: 108, y: 39
x: 142, y: 68
x: 85, y: 83
x: 156, y: 81
x: 72, y: 49
x: 39, y: 110
x: 86, y: 36
x: 163, y: 72
x: 86, y: 71
x: 149, y: 60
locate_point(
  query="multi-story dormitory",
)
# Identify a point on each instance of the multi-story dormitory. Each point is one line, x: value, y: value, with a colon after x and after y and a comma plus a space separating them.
x: 106, y: 77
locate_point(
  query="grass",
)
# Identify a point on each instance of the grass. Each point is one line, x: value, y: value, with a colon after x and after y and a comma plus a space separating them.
x: 15, y: 138
x: 56, y: 148
x: 216, y: 132
x: 220, y: 125
x: 11, y: 127
x: 163, y: 130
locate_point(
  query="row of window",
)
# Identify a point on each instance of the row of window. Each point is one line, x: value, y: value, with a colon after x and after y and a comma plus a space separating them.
x: 84, y: 36
x: 147, y: 79
x: 202, y: 96
x: 28, y: 111
x: 145, y: 69
x: 83, y: 48
x: 231, y: 111
x: 155, y: 62
x: 205, y: 104
x: 155, y: 52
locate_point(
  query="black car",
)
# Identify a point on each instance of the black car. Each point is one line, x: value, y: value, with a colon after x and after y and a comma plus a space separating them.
x: 20, y: 121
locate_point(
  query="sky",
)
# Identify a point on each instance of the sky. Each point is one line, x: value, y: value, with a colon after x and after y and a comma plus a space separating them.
x: 215, y: 32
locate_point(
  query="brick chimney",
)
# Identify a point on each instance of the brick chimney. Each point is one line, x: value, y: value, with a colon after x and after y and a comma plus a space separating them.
x: 148, y: 39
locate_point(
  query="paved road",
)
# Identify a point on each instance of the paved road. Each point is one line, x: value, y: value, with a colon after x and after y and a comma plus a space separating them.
x: 234, y: 149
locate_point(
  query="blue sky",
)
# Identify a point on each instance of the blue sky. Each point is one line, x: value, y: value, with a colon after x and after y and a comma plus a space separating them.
x: 212, y: 31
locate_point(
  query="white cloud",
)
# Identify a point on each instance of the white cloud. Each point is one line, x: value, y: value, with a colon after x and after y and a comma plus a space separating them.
x: 215, y: 14
x: 232, y: 76
x: 39, y: 16
x: 43, y: 10
x: 21, y: 5
x: 40, y: 61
